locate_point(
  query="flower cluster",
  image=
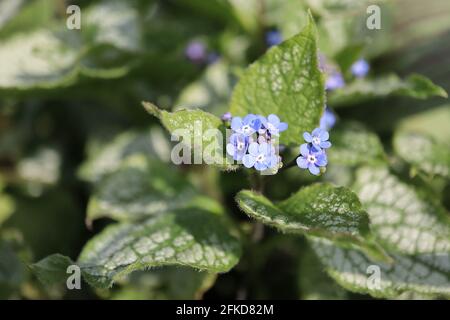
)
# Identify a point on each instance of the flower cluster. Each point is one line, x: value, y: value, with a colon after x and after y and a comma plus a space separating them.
x: 312, y: 153
x: 252, y: 140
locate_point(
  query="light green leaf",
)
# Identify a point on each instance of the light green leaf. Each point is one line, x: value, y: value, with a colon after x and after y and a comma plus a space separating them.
x: 140, y: 187
x: 194, y: 238
x: 353, y: 144
x: 402, y: 218
x: 204, y: 132
x: 423, y: 152
x: 319, y: 209
x: 168, y: 283
x: 285, y: 81
x: 360, y: 90
x: 422, y: 273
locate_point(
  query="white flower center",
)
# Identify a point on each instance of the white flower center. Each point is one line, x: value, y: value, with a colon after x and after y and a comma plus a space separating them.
x: 272, y: 128
x: 246, y: 129
x: 240, y: 146
x: 260, y: 158
x: 312, y: 158
x: 316, y: 140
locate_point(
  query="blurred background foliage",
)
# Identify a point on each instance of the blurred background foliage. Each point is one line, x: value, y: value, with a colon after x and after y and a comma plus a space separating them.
x: 70, y: 115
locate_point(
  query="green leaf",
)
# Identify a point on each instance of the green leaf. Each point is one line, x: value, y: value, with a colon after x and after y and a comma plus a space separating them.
x: 105, y: 157
x: 140, y: 187
x: 422, y: 273
x: 168, y: 283
x: 353, y: 144
x: 320, y: 209
x: 285, y: 81
x: 313, y: 282
x: 52, y: 269
x: 191, y: 237
x: 401, y: 217
x: 201, y: 132
x: 360, y: 90
x: 423, y: 152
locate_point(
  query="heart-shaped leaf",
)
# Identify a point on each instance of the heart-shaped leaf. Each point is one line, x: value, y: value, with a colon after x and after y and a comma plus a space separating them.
x: 285, y: 81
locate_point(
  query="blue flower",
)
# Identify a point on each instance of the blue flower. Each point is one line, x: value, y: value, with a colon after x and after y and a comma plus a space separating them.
x: 273, y: 38
x: 226, y: 116
x: 311, y: 159
x: 195, y: 51
x: 318, y: 138
x: 238, y: 146
x: 247, y: 126
x: 334, y: 81
x: 261, y: 156
x: 328, y: 119
x: 360, y: 68
x: 273, y: 125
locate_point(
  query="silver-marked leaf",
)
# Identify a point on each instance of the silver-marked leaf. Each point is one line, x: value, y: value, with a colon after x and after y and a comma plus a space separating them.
x: 427, y: 274
x: 285, y: 81
x: 201, y: 133
x: 191, y: 237
x: 423, y: 152
x: 401, y: 217
x: 320, y: 209
x: 353, y: 144
x: 105, y: 157
x: 140, y: 187
x: 360, y: 90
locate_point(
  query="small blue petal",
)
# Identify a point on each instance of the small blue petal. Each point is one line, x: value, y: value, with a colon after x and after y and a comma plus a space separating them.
x: 253, y: 149
x: 282, y: 126
x: 304, y: 150
x: 248, y: 161
x: 313, y: 169
x: 236, y: 123
x: 302, y: 162
x: 325, y: 144
x: 307, y: 136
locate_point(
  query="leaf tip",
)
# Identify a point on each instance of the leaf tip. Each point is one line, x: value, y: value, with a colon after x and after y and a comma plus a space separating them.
x: 151, y: 108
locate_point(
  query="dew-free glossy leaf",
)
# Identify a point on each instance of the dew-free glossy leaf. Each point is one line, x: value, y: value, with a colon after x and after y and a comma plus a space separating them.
x: 202, y: 132
x: 422, y: 273
x: 285, y: 81
x: 191, y: 237
x: 319, y: 209
x: 401, y: 217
